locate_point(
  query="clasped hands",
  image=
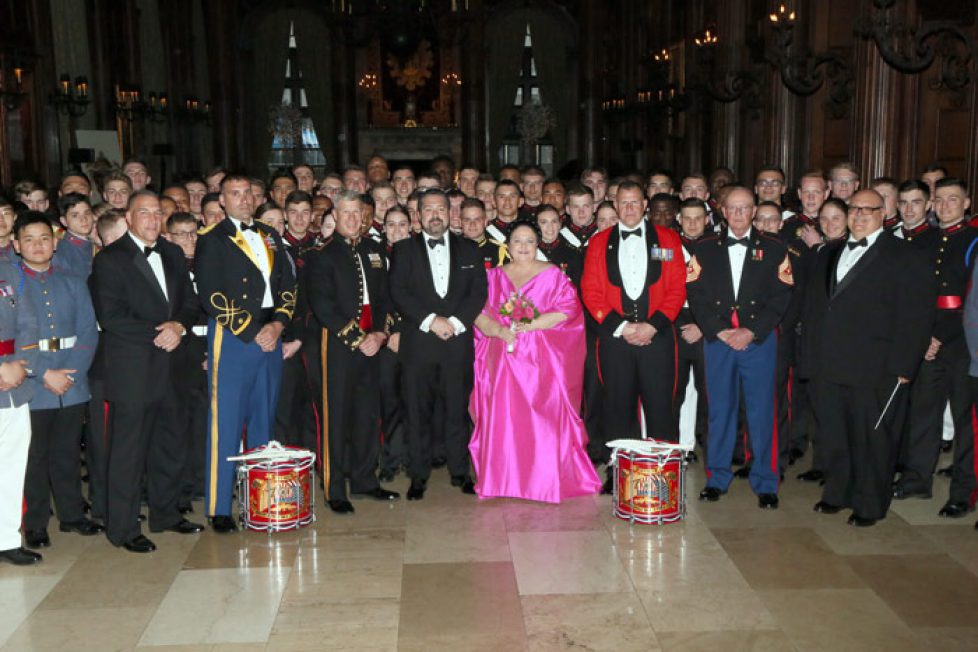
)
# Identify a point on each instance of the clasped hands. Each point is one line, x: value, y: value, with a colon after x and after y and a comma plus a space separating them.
x: 168, y: 335
x: 737, y: 339
x: 442, y: 328
x: 12, y: 374
x: 638, y: 334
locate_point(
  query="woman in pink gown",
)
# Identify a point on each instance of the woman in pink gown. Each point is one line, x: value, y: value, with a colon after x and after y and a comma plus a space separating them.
x: 529, y: 441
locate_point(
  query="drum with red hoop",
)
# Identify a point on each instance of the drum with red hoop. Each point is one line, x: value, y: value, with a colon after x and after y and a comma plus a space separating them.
x: 276, y: 489
x: 650, y: 483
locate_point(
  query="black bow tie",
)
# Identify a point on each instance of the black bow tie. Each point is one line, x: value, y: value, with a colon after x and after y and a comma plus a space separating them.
x: 440, y: 242
x: 736, y: 241
x: 249, y: 227
x: 625, y: 235
x: 862, y: 242
x: 151, y: 250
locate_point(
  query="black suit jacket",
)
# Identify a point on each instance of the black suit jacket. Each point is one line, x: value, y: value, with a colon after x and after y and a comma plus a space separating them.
x: 873, y: 326
x: 336, y: 295
x: 232, y: 287
x: 765, y: 291
x: 414, y: 296
x: 130, y: 305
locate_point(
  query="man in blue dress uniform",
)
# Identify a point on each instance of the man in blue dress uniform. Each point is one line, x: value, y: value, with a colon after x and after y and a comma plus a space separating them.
x: 739, y: 285
x: 76, y: 251
x: 247, y: 287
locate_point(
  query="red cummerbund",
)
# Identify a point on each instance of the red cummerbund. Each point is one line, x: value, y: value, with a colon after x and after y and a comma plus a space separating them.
x: 949, y: 302
x: 366, y: 319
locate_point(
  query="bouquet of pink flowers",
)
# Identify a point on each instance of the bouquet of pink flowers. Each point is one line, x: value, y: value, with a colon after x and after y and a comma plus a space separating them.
x: 520, y: 310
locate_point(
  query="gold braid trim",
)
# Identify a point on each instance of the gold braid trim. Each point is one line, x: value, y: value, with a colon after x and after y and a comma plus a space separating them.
x: 232, y: 317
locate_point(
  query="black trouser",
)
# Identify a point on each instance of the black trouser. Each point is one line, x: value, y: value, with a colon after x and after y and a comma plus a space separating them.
x: 352, y: 409
x: 592, y: 401
x: 144, y: 441
x: 437, y: 389
x: 311, y: 353
x: 392, y: 422
x: 943, y: 379
x: 690, y: 359
x: 631, y: 374
x: 964, y: 483
x: 53, y: 466
x: 195, y: 418
x: 812, y: 391
x: 859, y: 458
x: 97, y: 447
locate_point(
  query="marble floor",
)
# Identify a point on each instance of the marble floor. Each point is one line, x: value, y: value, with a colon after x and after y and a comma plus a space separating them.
x: 451, y: 572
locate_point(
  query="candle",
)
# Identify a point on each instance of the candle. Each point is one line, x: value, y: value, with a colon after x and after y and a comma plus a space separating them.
x: 18, y: 76
x: 81, y: 86
x: 65, y: 81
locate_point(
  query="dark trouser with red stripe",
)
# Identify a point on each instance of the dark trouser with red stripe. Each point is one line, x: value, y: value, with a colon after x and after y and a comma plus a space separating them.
x: 939, y: 380
x: 728, y: 373
x: 353, y: 406
x: 631, y: 374
x: 858, y: 458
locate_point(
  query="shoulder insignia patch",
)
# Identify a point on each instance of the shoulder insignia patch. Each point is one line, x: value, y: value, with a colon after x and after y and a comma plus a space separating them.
x: 784, y: 272
x: 693, y: 270
x: 204, y: 230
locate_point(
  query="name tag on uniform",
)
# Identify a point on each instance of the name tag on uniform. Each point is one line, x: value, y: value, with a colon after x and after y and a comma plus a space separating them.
x: 375, y: 260
x: 663, y: 254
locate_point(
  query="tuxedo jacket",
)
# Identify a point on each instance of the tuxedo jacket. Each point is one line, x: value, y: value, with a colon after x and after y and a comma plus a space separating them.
x: 130, y: 304
x: 765, y: 290
x: 231, y: 285
x: 602, y: 289
x: 336, y: 293
x: 876, y: 323
x: 413, y: 292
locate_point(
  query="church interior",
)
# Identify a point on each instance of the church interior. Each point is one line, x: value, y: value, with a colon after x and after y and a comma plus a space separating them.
x: 687, y: 86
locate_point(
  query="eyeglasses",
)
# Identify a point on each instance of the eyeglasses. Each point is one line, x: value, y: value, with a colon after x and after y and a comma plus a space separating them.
x: 864, y: 210
x: 844, y: 181
x: 183, y: 235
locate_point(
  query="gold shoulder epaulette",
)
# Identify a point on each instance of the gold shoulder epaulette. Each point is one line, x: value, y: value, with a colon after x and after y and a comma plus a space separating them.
x: 204, y: 230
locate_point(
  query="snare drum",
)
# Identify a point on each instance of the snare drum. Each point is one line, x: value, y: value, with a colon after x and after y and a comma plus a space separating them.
x: 276, y: 488
x: 650, y: 487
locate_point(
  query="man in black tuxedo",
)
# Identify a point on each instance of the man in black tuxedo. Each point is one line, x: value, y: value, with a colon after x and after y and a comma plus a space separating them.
x: 438, y: 283
x: 145, y: 304
x: 869, y: 308
x: 349, y: 299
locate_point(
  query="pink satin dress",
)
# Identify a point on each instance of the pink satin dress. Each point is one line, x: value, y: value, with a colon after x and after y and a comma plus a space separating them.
x: 529, y: 441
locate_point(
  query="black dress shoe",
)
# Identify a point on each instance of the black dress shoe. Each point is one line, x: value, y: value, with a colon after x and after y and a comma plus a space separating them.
x: 955, y: 510
x: 812, y: 475
x: 141, y: 518
x: 185, y: 509
x: 823, y: 507
x: 377, y: 494
x: 902, y: 493
x: 691, y: 457
x: 465, y: 482
x: 742, y: 472
x: 386, y: 475
x: 416, y: 491
x: 794, y: 455
x: 20, y: 557
x: 36, y: 539
x: 711, y: 494
x: 768, y: 501
x: 183, y: 526
x: 223, y: 524
x: 340, y: 506
x: 438, y: 462
x: 860, y: 521
x: 84, y: 527
x: 139, y: 544
x: 946, y: 472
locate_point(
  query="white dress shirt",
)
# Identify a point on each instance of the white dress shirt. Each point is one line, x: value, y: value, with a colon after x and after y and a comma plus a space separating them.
x: 440, y: 259
x: 155, y: 263
x: 633, y: 260
x: 737, y: 254
x: 256, y: 243
x: 851, y: 256
x: 633, y: 264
